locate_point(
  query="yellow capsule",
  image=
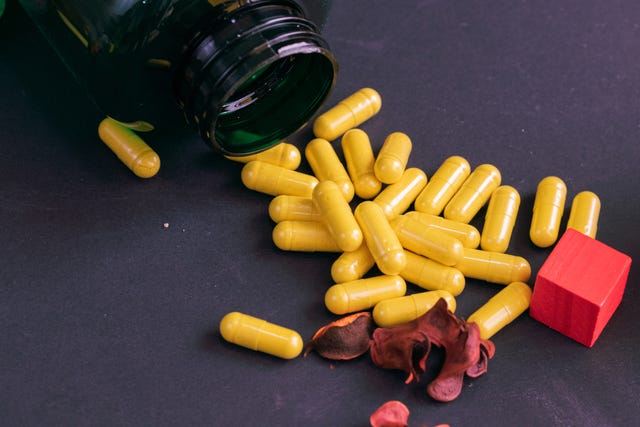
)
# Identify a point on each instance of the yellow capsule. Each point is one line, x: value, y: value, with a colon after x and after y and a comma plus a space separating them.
x: 283, y: 154
x: 397, y: 197
x: 392, y: 158
x: 130, y: 148
x: 502, y: 309
x: 363, y: 294
x: 276, y: 180
x: 473, y: 194
x: 444, y: 183
x: 359, y: 157
x: 349, y: 113
x: 468, y: 235
x: 352, y: 265
x: 585, y: 210
x: 326, y: 166
x: 292, y: 208
x: 432, y: 275
x: 304, y: 236
x: 260, y: 335
x: 404, y: 309
x: 336, y: 215
x: 548, y: 208
x: 494, y: 267
x: 380, y: 238
x: 428, y: 241
x: 500, y: 219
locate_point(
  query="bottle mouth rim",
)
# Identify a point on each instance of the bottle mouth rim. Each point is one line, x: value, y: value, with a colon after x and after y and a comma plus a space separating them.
x: 273, y: 101
x: 257, y: 76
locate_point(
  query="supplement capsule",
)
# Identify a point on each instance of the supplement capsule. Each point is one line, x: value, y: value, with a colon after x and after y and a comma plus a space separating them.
x: 432, y: 275
x: 130, y: 148
x: 260, y: 335
x: 502, y: 309
x: 468, y: 235
x: 292, y: 208
x: 353, y: 265
x: 494, y: 267
x: 358, y: 155
x: 428, y: 241
x: 392, y: 158
x: 585, y: 210
x: 473, y: 194
x: 326, y: 166
x: 397, y: 197
x: 276, y: 180
x: 304, y: 236
x: 548, y: 208
x: 363, y: 294
x: 500, y: 219
x: 404, y: 309
x: 336, y: 215
x: 349, y: 113
x: 283, y: 154
x: 443, y: 185
x: 380, y: 238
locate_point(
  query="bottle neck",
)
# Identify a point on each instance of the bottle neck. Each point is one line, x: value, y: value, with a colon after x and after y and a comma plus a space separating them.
x: 257, y: 76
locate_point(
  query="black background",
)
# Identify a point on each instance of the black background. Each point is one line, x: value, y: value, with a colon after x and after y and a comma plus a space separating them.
x: 109, y: 318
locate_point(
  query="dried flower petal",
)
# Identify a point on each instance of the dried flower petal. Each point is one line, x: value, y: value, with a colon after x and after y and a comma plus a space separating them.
x: 391, y: 414
x: 487, y: 350
x: 343, y: 339
x: 461, y: 351
x: 439, y: 324
x: 406, y: 347
x: 402, y: 347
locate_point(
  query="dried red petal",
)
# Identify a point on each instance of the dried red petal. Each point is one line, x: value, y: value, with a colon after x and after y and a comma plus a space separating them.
x: 407, y: 346
x: 439, y: 324
x: 461, y: 351
x: 487, y: 350
x: 343, y: 339
x: 391, y: 414
x: 402, y: 347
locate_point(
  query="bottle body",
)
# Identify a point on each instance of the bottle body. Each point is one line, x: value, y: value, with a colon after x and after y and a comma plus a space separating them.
x: 245, y: 74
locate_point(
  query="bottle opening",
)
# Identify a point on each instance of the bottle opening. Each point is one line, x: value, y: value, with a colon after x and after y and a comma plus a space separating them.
x: 273, y: 102
x: 256, y: 76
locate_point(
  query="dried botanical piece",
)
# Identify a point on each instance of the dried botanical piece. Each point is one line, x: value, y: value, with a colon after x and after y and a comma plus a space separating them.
x: 461, y: 351
x: 487, y: 350
x: 391, y: 414
x: 404, y: 347
x: 343, y: 339
x: 407, y: 346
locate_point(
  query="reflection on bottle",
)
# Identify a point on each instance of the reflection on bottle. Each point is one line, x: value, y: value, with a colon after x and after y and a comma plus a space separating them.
x: 245, y: 74
x: 73, y: 29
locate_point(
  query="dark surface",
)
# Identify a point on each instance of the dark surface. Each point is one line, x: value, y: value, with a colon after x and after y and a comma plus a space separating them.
x: 109, y: 318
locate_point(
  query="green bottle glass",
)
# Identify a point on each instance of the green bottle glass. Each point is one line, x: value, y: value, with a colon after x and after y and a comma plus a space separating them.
x: 245, y: 74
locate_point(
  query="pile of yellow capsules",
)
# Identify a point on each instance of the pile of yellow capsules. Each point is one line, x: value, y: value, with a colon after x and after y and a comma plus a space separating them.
x: 432, y: 246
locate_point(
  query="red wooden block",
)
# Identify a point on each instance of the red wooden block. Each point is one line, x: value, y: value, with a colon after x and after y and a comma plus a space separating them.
x: 579, y: 287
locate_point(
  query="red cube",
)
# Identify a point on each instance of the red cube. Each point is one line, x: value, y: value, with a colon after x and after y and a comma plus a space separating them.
x: 579, y: 287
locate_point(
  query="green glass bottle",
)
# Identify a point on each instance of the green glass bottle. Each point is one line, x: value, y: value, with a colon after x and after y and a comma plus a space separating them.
x: 245, y: 74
